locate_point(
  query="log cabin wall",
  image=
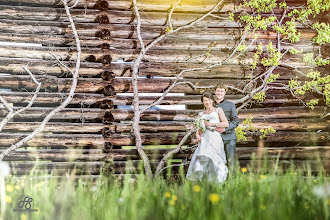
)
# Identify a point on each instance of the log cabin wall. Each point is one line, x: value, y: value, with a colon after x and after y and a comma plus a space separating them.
x: 95, y: 128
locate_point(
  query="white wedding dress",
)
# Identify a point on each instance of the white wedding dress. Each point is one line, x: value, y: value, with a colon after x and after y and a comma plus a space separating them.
x: 209, y: 159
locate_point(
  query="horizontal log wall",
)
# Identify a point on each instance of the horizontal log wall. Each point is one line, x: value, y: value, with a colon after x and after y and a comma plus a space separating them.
x: 86, y: 135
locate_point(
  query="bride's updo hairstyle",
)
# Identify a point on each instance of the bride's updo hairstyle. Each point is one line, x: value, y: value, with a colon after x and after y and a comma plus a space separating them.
x: 208, y: 95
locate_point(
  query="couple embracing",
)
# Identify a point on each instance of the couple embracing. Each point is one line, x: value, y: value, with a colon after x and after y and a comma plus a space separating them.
x: 217, y: 143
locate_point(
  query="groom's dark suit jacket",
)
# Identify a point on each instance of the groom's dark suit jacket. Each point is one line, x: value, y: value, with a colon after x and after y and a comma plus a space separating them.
x: 231, y: 115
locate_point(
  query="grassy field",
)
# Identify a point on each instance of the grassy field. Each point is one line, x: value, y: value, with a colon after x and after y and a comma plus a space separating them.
x: 248, y: 195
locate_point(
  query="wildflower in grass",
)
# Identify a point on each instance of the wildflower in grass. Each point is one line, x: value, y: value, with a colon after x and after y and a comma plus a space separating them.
x: 93, y: 188
x: 167, y: 195
x: 263, y: 177
x: 197, y: 188
x: 172, y: 202
x: 9, y: 188
x: 8, y: 199
x: 120, y: 200
x: 23, y: 217
x: 17, y: 187
x: 214, y: 198
x: 243, y: 170
x: 250, y: 193
x: 263, y: 207
x: 174, y: 197
x: 322, y: 191
x: 315, y: 180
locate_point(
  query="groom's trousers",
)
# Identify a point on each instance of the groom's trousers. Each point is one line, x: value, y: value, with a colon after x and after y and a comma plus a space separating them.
x: 230, y: 146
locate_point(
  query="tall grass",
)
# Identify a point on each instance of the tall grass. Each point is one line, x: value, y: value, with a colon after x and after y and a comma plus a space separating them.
x: 247, y: 195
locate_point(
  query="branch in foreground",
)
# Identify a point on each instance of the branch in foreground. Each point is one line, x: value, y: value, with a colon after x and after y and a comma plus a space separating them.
x: 172, y: 152
x: 66, y: 101
x: 13, y: 113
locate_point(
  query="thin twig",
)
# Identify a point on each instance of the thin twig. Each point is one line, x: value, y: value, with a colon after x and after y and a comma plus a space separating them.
x: 66, y: 101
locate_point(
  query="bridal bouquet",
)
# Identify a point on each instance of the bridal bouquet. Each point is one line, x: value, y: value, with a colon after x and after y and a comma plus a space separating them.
x: 199, y: 123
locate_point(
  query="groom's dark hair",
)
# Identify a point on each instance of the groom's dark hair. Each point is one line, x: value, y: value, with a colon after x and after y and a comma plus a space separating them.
x: 208, y: 95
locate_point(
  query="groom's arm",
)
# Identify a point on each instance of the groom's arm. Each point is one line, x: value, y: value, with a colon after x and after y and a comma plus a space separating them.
x: 233, y: 121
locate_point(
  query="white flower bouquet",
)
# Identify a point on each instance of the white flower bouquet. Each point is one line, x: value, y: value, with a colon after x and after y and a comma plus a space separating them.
x: 199, y: 123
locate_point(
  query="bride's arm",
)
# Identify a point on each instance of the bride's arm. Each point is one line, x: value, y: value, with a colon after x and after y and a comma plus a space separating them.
x: 223, y: 120
x: 199, y: 134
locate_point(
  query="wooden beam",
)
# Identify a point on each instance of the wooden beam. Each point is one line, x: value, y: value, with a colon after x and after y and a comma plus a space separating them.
x: 190, y: 115
x: 55, y: 140
x: 38, y: 113
x: 24, y: 83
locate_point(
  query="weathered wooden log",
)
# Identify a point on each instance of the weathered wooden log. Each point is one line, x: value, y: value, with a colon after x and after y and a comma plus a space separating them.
x: 49, y: 67
x: 61, y: 29
x: 38, y: 113
x: 159, y: 85
x: 196, y: 99
x: 242, y: 153
x: 190, y: 115
x: 151, y: 69
x: 112, y: 16
x: 278, y: 124
x: 184, y: 6
x: 62, y: 53
x: 175, y: 138
x: 149, y: 5
x: 128, y: 55
x: 45, y: 98
x: 178, y: 44
x: 119, y: 169
x: 24, y: 83
x: 95, y: 4
x: 57, y: 168
x: 46, y: 14
x: 58, y: 127
x: 97, y: 141
x: 107, y: 72
x: 55, y: 140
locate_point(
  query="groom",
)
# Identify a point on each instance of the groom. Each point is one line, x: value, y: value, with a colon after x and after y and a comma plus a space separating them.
x: 228, y: 134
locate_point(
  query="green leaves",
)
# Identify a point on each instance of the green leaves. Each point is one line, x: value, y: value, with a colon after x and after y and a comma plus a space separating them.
x: 260, y: 5
x: 247, y: 127
x: 323, y: 31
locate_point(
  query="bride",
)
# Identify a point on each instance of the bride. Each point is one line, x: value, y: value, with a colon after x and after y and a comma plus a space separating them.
x: 209, y: 159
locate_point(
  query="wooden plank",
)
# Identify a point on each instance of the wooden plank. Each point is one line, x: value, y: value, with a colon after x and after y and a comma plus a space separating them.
x: 49, y: 67
x: 55, y: 140
x: 62, y: 53
x: 115, y: 32
x: 152, y: 69
x: 174, y: 138
x: 113, y: 16
x: 58, y: 127
x: 47, y: 98
x: 196, y: 99
x: 159, y: 85
x: 102, y: 5
x: 46, y: 14
x: 120, y: 43
x: 24, y: 83
x: 242, y: 153
x: 190, y: 115
x: 278, y: 124
x: 38, y: 113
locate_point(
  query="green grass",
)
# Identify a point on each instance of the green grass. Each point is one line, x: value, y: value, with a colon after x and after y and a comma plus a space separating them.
x: 248, y: 195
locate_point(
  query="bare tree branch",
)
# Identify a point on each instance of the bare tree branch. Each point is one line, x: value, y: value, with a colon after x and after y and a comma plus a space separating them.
x: 63, y: 104
x: 172, y: 152
x: 13, y: 113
